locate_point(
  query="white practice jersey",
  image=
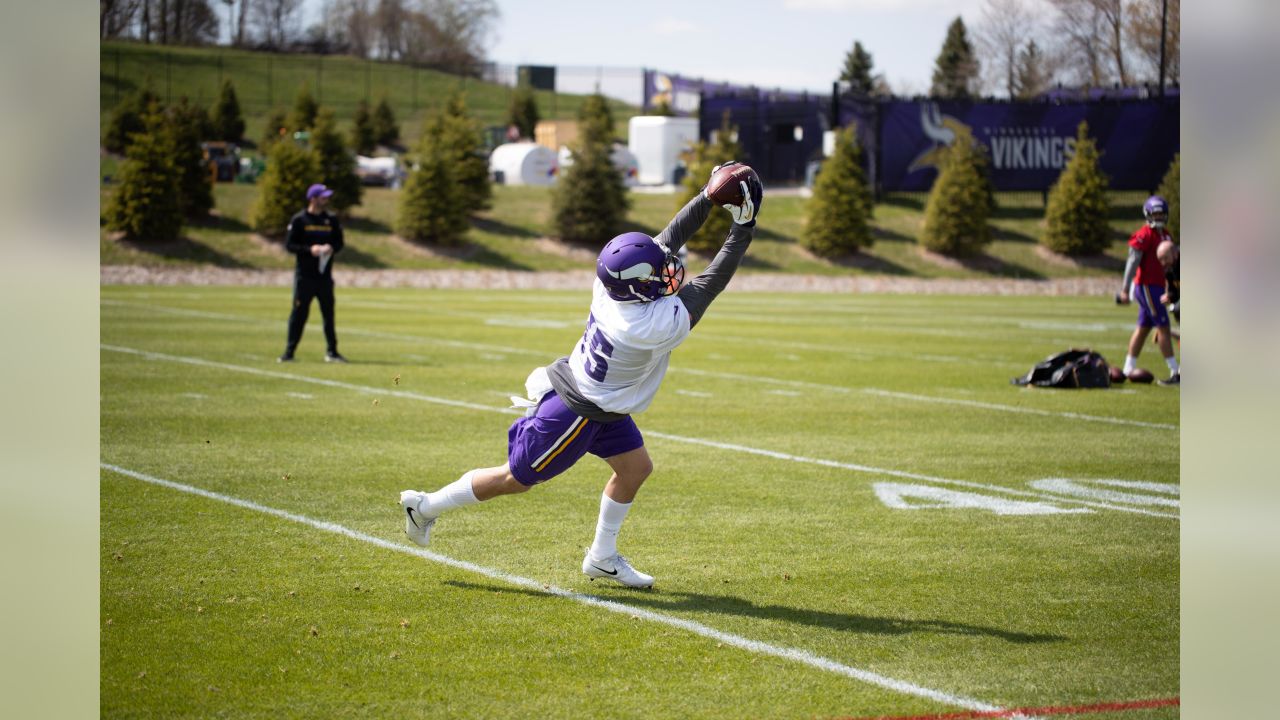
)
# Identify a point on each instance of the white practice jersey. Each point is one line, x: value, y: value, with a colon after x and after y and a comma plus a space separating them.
x: 622, y: 357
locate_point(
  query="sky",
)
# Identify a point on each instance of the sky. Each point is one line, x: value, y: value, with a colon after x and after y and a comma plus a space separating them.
x: 788, y: 44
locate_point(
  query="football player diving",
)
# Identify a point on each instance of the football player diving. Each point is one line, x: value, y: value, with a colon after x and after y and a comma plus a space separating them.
x: 640, y: 311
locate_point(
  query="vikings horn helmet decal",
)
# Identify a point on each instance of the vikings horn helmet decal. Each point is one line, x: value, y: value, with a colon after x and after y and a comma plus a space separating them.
x: 634, y: 268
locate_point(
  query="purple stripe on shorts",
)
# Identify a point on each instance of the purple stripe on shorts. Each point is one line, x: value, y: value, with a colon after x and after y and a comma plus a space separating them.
x: 548, y: 443
x: 1151, y: 312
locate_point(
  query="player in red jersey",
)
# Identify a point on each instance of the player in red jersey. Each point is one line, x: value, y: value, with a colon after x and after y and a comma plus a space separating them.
x: 1146, y: 274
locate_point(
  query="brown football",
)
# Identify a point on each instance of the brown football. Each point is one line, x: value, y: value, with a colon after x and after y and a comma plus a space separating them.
x: 725, y: 185
x: 1117, y: 375
x: 1139, y: 375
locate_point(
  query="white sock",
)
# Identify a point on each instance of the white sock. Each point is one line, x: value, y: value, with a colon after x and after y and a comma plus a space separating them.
x: 1172, y: 362
x: 607, y: 528
x: 1130, y: 363
x: 454, y: 495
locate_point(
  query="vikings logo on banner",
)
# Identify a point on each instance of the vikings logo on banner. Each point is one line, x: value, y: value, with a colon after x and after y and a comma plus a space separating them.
x: 941, y: 130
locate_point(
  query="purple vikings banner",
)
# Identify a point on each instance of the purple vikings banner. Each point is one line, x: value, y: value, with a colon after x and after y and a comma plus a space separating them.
x: 1028, y: 143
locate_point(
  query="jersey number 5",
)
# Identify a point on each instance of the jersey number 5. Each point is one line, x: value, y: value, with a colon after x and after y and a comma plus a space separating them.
x: 597, y: 349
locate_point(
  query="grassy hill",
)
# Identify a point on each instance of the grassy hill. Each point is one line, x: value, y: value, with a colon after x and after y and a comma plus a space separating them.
x: 511, y: 237
x: 266, y: 80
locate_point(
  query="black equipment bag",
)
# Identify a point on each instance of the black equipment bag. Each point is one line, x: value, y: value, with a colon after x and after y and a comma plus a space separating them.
x: 1078, y: 368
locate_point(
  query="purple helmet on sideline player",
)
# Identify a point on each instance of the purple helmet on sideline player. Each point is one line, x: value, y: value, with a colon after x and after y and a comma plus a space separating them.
x: 634, y: 268
x: 1155, y: 205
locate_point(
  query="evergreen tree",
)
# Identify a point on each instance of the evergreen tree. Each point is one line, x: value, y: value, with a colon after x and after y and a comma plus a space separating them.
x: 305, y: 108
x: 127, y: 120
x: 337, y: 165
x: 276, y: 128
x: 955, y: 216
x: 385, y: 128
x: 363, y: 136
x: 228, y: 123
x: 188, y: 124
x: 590, y: 201
x: 702, y: 159
x: 283, y: 187
x: 147, y: 204
x: 1030, y: 77
x: 841, y: 205
x: 955, y: 72
x: 522, y: 112
x: 1169, y: 191
x: 857, y: 70
x: 463, y: 143
x: 431, y: 209
x: 1076, y: 216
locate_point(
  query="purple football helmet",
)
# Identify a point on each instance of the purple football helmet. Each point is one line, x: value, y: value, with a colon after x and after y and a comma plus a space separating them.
x: 634, y: 268
x: 1155, y: 205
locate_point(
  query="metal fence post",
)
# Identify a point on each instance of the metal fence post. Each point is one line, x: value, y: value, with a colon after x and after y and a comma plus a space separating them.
x: 270, y: 97
x: 168, y: 92
x: 319, y: 79
x: 117, y: 93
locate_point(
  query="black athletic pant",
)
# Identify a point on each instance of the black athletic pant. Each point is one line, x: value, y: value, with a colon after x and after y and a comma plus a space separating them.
x: 304, y: 289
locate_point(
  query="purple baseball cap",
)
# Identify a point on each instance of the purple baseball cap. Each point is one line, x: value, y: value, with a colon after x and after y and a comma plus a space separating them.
x: 318, y: 190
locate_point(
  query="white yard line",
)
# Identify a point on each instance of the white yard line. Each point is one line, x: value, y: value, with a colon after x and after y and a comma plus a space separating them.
x: 1016, y: 409
x: 500, y: 351
x: 677, y: 438
x: 754, y: 646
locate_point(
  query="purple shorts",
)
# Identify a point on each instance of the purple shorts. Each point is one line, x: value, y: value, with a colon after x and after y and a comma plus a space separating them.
x: 1151, y: 312
x: 553, y: 439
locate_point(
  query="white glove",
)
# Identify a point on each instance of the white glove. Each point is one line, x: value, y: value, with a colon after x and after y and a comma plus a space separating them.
x: 746, y: 212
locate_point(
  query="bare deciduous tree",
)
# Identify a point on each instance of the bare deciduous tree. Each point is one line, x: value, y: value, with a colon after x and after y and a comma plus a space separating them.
x: 276, y: 22
x: 1004, y: 29
x: 1143, y: 32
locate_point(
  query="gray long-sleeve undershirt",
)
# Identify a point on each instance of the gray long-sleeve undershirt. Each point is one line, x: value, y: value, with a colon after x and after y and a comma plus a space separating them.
x: 696, y: 295
x: 1131, y: 268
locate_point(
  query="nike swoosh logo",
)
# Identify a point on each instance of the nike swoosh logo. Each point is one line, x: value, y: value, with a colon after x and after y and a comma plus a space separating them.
x: 415, y: 522
x: 606, y: 572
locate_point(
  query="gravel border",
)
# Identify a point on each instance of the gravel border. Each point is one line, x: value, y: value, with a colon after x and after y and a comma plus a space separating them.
x: 581, y: 279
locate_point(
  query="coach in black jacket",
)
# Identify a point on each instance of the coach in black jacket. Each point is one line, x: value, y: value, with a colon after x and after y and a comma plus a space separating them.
x: 314, y: 237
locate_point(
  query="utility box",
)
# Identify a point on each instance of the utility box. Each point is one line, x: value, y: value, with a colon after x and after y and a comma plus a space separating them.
x: 554, y: 134
x: 657, y: 142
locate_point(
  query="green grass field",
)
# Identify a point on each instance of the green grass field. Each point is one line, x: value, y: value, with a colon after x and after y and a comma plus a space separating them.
x: 506, y: 238
x: 853, y: 514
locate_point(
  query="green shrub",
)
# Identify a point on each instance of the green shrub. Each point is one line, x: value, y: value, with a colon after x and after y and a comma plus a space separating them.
x: 127, y: 120
x: 385, y: 128
x: 841, y: 204
x: 590, y: 201
x: 283, y: 187
x: 189, y: 125
x: 470, y: 161
x: 1076, y: 216
x: 337, y: 164
x: 277, y: 127
x: 431, y: 209
x: 522, y: 111
x: 1169, y: 191
x: 702, y: 158
x: 363, y: 136
x: 305, y: 109
x: 228, y: 123
x: 955, y: 216
x: 147, y: 204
